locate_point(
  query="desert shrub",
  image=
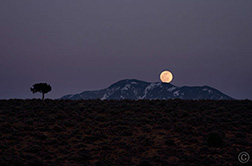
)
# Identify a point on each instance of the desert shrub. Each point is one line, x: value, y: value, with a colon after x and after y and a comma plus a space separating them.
x: 38, y: 136
x: 179, y: 127
x: 144, y: 120
x: 209, y: 161
x: 43, y: 128
x: 6, y: 128
x: 204, y: 149
x: 241, y: 141
x: 35, y: 149
x: 28, y: 132
x: 29, y: 122
x: 116, y: 138
x: 100, y: 118
x: 156, y: 158
x: 146, y: 129
x: 240, y: 135
x: 126, y: 132
x: 57, y: 128
x: 194, y: 121
x: 215, y: 140
x: 122, y: 131
x: 50, y: 163
x: 35, y: 162
x: 79, y: 159
x: 173, y: 160
x: 145, y: 162
x: 104, y: 162
x: 237, y: 118
x: 91, y: 139
x: 121, y: 160
x: 106, y: 148
x: 169, y: 142
x: 51, y: 142
x: 164, y: 120
x: 69, y: 123
x: 145, y: 140
x: 3, y: 146
x: 182, y: 114
x: 27, y: 156
x: 118, y: 123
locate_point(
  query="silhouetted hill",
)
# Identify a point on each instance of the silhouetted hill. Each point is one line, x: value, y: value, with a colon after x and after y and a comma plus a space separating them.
x: 126, y: 132
x: 136, y: 89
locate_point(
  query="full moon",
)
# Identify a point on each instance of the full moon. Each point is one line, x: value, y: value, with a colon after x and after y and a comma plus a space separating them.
x: 166, y: 76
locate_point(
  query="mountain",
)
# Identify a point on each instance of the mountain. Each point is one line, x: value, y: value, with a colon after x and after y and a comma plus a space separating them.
x: 136, y: 89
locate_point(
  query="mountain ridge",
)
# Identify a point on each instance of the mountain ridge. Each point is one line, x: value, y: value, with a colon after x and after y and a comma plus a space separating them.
x: 138, y: 89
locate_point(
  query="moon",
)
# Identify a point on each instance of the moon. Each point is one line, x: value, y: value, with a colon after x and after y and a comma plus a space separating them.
x: 166, y: 76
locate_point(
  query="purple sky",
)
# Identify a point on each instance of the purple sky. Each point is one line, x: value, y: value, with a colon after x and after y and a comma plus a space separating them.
x: 89, y: 44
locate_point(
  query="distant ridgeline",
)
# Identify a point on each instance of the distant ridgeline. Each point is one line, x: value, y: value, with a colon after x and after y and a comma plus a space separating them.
x: 136, y: 89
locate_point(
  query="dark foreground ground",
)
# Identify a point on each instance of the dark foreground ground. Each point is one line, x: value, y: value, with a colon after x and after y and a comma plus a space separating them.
x: 94, y: 132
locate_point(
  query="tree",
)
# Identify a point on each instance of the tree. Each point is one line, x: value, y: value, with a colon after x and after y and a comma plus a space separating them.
x: 41, y: 88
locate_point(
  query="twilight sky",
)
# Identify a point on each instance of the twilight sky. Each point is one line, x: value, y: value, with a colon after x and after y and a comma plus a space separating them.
x: 89, y: 44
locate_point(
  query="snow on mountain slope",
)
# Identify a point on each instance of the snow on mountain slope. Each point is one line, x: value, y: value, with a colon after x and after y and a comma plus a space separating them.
x: 136, y: 89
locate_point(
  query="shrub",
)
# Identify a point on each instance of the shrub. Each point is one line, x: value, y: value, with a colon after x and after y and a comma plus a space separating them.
x: 215, y: 140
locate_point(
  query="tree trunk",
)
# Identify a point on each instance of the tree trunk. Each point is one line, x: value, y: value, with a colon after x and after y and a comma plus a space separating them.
x: 43, y: 96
